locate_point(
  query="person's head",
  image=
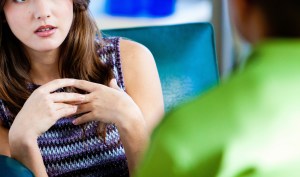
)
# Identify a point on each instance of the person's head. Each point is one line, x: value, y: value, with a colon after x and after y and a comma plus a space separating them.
x: 37, y: 26
x: 260, y: 19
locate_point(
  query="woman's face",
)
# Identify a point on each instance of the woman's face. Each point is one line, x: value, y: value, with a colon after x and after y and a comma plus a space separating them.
x: 41, y: 25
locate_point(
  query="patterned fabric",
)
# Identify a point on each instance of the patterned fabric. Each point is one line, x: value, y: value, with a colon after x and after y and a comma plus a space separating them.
x: 70, y: 150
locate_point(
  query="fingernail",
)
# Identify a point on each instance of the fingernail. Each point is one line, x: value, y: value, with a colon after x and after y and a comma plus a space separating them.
x: 74, y: 122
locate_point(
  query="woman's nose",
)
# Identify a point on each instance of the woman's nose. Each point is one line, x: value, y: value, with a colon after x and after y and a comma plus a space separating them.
x: 41, y: 9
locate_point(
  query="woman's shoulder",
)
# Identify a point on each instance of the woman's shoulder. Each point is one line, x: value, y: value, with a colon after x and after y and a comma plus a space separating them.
x: 127, y: 58
x: 133, y: 48
x: 125, y: 47
x: 138, y: 66
x: 132, y: 52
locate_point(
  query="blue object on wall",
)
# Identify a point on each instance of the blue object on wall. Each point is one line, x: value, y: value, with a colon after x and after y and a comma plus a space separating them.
x: 153, y: 8
x: 184, y: 54
x: 159, y: 8
x: 124, y: 7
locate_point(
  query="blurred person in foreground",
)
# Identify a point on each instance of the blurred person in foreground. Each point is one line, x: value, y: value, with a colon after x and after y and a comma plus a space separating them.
x: 250, y: 125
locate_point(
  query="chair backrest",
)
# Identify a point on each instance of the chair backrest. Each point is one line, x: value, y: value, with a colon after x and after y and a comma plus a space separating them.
x: 12, y: 168
x: 184, y: 54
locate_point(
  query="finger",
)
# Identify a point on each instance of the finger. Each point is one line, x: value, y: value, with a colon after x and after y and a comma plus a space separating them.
x: 74, y: 102
x: 67, y: 97
x: 83, y: 108
x: 58, y: 106
x: 113, y: 84
x: 66, y: 110
x: 87, y: 85
x: 88, y: 117
x: 56, y: 84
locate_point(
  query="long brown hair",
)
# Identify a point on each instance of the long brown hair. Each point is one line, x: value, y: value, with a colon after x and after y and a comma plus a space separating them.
x: 78, y: 60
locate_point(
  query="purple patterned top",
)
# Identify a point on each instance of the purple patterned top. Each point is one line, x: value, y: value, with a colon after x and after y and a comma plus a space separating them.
x: 67, y: 150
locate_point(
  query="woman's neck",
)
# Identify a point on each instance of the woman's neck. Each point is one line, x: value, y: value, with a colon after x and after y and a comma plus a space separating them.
x: 44, y: 66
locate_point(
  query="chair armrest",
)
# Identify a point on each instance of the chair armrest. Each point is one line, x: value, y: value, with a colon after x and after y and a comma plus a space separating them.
x: 12, y: 168
x: 184, y: 55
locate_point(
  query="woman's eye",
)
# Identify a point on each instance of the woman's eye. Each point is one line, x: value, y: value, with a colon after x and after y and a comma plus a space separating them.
x: 19, y: 1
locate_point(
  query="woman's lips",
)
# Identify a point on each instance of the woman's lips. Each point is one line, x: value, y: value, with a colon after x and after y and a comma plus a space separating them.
x: 45, y: 31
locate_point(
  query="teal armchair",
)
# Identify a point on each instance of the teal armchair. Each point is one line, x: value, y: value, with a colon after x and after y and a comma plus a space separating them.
x: 12, y: 168
x: 184, y: 54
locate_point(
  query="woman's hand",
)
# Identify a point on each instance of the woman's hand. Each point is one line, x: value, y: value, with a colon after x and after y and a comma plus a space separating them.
x: 112, y: 105
x: 107, y: 104
x: 43, y: 108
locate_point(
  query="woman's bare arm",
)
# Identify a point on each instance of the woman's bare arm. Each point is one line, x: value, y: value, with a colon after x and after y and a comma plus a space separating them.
x: 40, y: 111
x: 27, y: 153
x: 142, y: 81
x: 25, y: 149
x: 143, y: 86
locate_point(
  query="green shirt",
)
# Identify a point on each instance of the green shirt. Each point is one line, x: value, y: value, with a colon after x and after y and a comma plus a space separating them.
x: 246, y: 127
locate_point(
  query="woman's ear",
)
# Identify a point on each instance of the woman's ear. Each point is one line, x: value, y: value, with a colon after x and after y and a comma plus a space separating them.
x: 240, y: 10
x: 246, y: 17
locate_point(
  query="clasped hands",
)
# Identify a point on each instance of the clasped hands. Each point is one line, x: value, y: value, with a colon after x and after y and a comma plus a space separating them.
x: 107, y: 104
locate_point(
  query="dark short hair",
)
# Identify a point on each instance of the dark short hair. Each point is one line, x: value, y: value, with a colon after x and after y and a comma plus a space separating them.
x: 282, y: 17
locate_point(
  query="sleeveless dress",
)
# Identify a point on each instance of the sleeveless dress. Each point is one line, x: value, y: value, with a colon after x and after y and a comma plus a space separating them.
x: 67, y: 150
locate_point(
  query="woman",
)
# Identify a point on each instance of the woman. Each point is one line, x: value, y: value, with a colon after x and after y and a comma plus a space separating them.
x: 84, y: 125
